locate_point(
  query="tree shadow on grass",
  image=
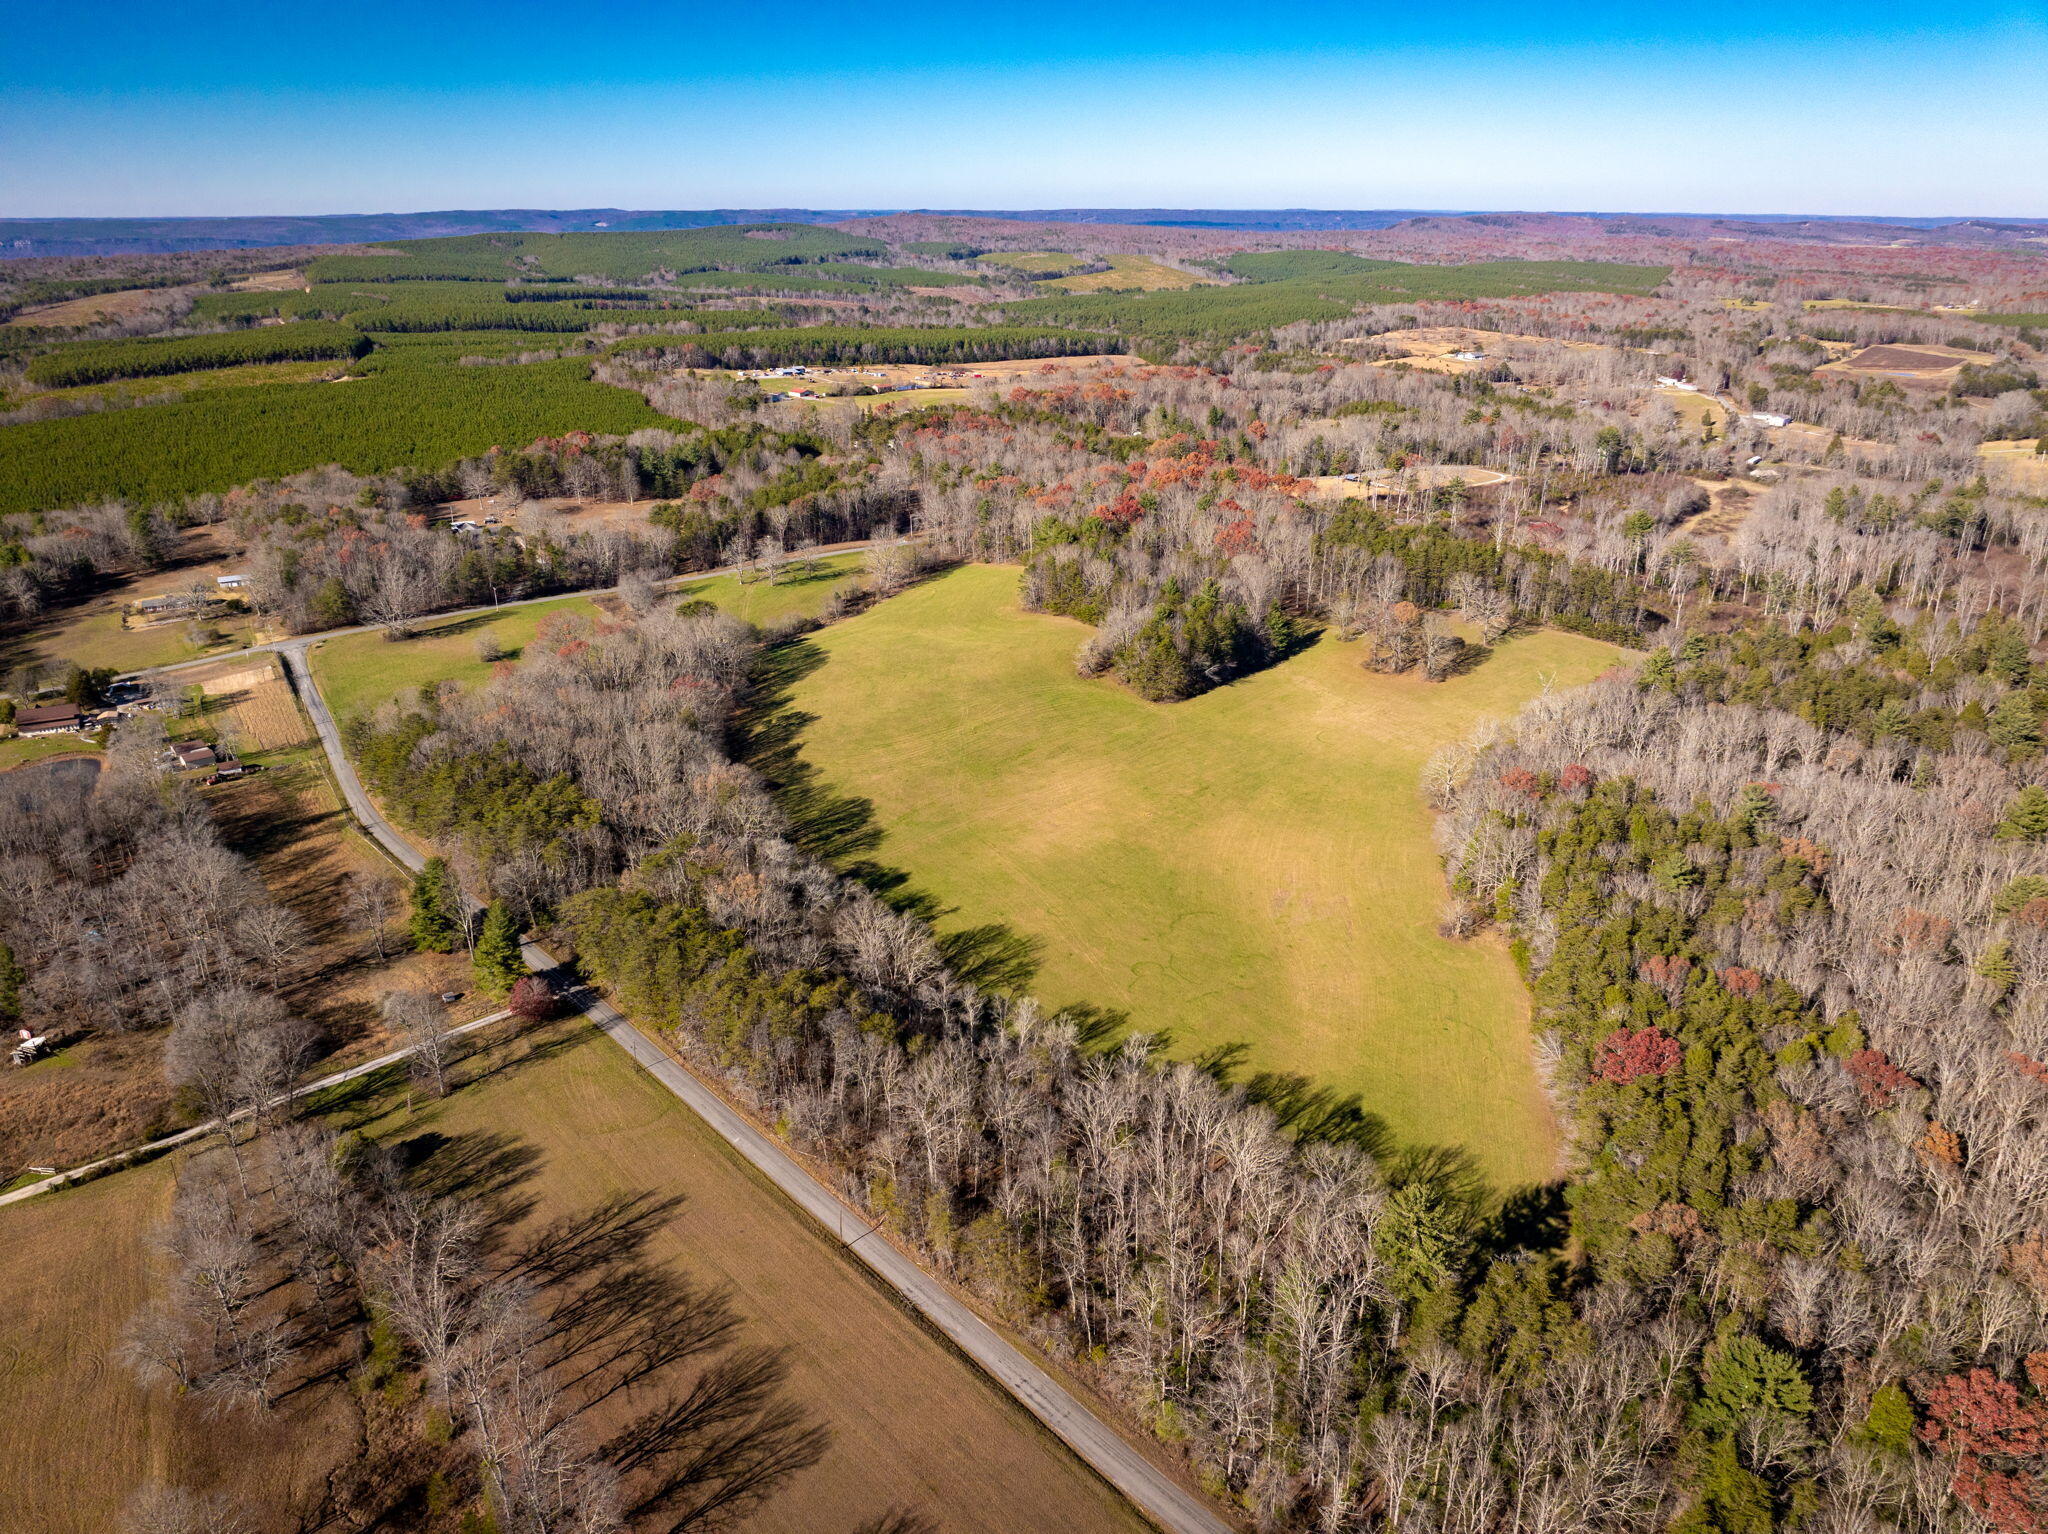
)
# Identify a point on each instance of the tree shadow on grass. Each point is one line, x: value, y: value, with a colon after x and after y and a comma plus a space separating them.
x: 1312, y: 1113
x: 993, y: 957
x: 840, y: 828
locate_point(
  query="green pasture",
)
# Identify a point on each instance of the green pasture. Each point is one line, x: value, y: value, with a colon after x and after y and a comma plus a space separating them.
x: 1253, y: 866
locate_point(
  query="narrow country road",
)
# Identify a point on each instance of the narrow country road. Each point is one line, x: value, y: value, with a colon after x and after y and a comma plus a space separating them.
x: 1156, y: 1494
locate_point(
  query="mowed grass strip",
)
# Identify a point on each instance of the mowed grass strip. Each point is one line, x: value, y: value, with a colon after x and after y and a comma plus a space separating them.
x: 359, y: 673
x: 1252, y: 866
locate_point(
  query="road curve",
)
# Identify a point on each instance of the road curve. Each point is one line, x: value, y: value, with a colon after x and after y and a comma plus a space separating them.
x: 1157, y: 1495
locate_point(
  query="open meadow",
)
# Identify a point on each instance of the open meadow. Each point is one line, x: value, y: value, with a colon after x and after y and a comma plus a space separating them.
x: 1252, y: 866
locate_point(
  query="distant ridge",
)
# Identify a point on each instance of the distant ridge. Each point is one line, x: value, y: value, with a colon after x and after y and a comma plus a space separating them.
x: 22, y: 238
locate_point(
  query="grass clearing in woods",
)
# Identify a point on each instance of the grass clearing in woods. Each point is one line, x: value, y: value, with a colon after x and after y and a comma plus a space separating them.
x: 360, y: 672
x: 1126, y: 273
x: 1252, y: 866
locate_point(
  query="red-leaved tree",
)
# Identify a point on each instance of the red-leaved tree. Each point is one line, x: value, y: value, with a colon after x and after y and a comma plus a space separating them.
x: 1626, y: 1056
x: 531, y: 1001
x: 1877, y: 1078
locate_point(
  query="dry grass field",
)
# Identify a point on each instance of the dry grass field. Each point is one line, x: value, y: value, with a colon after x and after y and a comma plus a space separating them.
x: 1430, y: 476
x: 89, y: 310
x: 76, y: 1436
x: 91, y: 633
x: 2019, y: 464
x: 1254, y: 866
x: 1729, y: 503
x: 1128, y: 273
x: 912, y: 1424
x: 251, y: 704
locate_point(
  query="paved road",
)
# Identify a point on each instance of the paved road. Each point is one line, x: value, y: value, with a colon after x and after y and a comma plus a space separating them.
x: 1155, y: 1493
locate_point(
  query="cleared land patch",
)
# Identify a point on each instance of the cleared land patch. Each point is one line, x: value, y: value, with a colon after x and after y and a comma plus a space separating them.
x: 251, y: 704
x: 1254, y: 865
x: 1433, y: 476
x: 1126, y: 273
x: 359, y: 672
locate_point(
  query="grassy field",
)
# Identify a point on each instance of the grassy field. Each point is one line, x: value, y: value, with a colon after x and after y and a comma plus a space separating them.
x: 16, y: 752
x: 127, y: 390
x: 359, y: 672
x: 912, y: 1424
x: 1254, y: 865
x: 1126, y: 272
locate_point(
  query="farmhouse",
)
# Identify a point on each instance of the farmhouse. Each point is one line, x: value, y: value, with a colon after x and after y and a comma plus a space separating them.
x: 49, y: 719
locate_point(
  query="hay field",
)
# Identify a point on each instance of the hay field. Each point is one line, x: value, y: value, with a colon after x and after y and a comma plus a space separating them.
x: 76, y: 1436
x: 1254, y: 865
x: 912, y: 1423
x: 1127, y: 273
x: 252, y: 704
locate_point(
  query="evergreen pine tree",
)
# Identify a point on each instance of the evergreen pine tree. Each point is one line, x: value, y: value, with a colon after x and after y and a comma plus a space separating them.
x: 2026, y: 818
x: 498, y: 962
x: 2015, y: 727
x: 436, y: 908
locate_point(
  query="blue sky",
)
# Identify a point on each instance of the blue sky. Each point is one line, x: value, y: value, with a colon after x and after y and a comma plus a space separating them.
x: 109, y: 107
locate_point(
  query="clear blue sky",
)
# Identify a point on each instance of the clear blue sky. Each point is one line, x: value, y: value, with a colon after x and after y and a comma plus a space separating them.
x: 112, y: 107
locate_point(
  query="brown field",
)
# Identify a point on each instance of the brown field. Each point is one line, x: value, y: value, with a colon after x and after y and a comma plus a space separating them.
x: 1919, y: 364
x: 585, y: 515
x: 76, y: 1435
x: 912, y: 1423
x: 1429, y: 347
x: 91, y: 1097
x: 89, y: 310
x: 1731, y: 501
x: 1395, y: 481
x: 271, y: 282
x: 251, y: 704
